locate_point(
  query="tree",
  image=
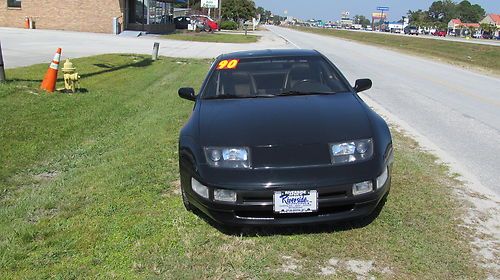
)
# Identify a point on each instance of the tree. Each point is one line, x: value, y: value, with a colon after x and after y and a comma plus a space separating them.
x: 442, y: 11
x: 265, y: 15
x: 360, y: 19
x: 468, y: 12
x: 194, y: 4
x: 488, y: 28
x: 238, y: 10
x: 260, y: 11
x: 418, y: 18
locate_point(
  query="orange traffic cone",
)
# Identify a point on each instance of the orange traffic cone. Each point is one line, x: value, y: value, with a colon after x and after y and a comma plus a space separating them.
x: 49, y: 82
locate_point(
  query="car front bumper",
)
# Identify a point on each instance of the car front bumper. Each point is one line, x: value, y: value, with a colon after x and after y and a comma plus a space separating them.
x: 255, y: 207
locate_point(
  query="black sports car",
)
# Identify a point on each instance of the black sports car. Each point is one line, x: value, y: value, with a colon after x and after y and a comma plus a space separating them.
x: 280, y: 137
x: 182, y: 22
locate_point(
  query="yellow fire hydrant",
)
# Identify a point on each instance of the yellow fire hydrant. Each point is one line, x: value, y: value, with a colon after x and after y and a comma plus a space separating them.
x: 71, y: 78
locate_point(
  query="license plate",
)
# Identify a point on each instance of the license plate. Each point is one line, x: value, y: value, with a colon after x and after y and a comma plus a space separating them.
x: 287, y: 202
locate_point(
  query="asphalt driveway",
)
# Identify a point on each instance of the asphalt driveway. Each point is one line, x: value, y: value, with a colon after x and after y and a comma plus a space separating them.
x: 22, y: 47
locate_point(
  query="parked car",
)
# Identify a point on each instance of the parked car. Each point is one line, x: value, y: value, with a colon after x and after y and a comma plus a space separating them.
x: 487, y: 35
x: 439, y: 33
x: 205, y: 23
x: 279, y: 137
x: 477, y: 35
x: 424, y: 31
x: 411, y: 30
x: 182, y: 22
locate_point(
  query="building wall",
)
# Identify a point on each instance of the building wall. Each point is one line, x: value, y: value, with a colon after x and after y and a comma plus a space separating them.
x: 76, y: 15
x: 489, y: 20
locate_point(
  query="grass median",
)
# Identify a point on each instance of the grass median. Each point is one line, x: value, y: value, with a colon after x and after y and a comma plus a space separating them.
x: 212, y: 37
x: 89, y: 188
x: 483, y: 57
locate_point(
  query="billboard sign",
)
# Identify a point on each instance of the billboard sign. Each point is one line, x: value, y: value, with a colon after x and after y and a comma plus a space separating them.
x: 383, y: 9
x: 379, y: 15
x: 212, y: 4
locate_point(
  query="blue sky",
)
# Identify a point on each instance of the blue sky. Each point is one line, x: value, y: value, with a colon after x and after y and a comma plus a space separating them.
x: 331, y: 9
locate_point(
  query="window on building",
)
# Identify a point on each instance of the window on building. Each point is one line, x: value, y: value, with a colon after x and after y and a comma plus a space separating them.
x: 14, y: 3
x: 151, y: 12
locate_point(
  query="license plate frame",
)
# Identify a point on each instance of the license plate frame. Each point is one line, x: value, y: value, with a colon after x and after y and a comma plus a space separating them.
x: 295, y: 202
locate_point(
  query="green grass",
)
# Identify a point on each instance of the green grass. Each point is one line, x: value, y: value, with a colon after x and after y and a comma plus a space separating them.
x: 89, y: 190
x: 483, y: 57
x: 212, y: 37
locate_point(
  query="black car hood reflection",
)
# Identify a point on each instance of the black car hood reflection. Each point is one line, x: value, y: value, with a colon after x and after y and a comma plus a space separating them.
x: 283, y: 121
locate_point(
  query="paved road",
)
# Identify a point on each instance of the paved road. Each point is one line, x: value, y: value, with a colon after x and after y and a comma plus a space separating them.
x: 447, y: 38
x: 458, y: 110
x: 23, y: 47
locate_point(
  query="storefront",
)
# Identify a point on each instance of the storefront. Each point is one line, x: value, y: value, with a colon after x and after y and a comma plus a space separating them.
x: 152, y: 16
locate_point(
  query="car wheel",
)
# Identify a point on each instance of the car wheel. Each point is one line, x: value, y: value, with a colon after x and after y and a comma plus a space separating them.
x: 186, y: 202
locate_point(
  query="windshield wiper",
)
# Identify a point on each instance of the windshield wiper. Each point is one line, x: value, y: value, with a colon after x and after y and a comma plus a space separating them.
x: 295, y: 92
x: 233, y: 96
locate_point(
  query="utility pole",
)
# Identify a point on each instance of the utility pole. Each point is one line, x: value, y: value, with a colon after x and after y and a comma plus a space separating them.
x: 381, y: 20
x: 2, y: 71
x: 220, y: 10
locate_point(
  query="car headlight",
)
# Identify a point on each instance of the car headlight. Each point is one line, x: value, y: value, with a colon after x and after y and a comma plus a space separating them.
x: 199, y: 188
x: 382, y: 178
x: 362, y: 188
x: 236, y: 157
x: 351, y: 151
x: 225, y: 195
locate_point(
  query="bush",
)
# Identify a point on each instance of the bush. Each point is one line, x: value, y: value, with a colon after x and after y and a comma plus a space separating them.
x: 229, y: 25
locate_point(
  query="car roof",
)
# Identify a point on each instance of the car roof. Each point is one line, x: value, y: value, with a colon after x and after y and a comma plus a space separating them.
x: 270, y: 53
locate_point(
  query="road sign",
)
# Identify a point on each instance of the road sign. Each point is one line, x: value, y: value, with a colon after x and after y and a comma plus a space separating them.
x: 212, y: 4
x: 383, y: 9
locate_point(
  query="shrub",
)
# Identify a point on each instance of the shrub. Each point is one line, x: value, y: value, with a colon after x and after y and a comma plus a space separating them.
x: 229, y: 25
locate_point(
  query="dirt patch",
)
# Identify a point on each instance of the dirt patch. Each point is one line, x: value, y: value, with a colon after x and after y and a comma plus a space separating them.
x: 233, y: 245
x: 46, y: 176
x: 35, y: 216
x: 290, y: 265
x: 483, y: 217
x: 174, y: 189
x: 360, y: 268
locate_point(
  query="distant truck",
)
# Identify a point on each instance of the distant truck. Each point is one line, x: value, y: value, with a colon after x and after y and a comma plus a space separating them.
x: 411, y: 30
x: 356, y: 26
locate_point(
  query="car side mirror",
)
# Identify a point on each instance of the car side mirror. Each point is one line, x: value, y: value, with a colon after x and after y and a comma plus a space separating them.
x: 362, y: 85
x: 187, y: 93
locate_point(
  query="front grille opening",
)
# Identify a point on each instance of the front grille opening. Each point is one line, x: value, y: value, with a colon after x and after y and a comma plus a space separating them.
x: 268, y: 198
x: 332, y: 194
x: 269, y: 214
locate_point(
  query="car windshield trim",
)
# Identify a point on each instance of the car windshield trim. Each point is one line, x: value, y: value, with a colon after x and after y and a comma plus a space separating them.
x: 282, y: 94
x: 263, y: 77
x: 233, y: 96
x: 297, y: 92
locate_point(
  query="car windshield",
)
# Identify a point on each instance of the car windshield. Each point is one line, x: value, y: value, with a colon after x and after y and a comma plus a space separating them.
x: 272, y: 77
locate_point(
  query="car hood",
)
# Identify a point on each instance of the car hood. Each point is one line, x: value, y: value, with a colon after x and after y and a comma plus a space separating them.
x: 283, y: 121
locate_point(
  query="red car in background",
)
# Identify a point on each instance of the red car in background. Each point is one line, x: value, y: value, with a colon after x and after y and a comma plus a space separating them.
x: 208, y: 23
x: 439, y: 33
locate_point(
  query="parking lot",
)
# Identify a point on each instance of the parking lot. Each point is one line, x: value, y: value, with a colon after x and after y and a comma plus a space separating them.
x: 20, y: 50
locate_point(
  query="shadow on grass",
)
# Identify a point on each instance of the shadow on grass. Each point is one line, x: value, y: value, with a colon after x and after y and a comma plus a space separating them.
x: 253, y: 231
x: 107, y: 68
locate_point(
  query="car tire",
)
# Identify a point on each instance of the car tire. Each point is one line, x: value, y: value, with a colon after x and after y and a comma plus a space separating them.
x: 186, y: 202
